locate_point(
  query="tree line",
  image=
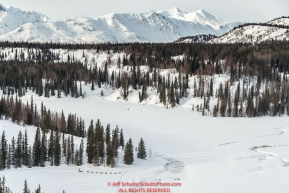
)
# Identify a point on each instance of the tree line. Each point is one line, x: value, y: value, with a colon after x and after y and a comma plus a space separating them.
x: 102, y: 146
x: 28, y: 114
x: 55, y: 150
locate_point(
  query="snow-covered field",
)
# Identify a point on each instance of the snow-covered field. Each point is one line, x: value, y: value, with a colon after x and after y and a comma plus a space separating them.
x: 204, y: 154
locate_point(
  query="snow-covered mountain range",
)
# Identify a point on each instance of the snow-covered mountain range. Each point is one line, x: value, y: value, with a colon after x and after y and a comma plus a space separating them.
x: 161, y: 26
x: 276, y: 29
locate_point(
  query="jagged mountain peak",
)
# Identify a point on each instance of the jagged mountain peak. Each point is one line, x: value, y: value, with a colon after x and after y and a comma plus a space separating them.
x: 207, y: 16
x: 203, y: 12
x: 173, y: 13
x: 203, y: 17
x: 150, y: 11
x: 175, y: 10
x: 200, y: 16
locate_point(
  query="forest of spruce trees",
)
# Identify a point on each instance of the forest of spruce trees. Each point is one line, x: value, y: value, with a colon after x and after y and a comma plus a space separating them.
x: 257, y: 86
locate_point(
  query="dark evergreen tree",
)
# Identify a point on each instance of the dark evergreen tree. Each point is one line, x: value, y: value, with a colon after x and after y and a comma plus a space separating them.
x: 64, y: 147
x: 57, y: 150
x: 68, y: 156
x: 211, y: 87
x: 26, y: 189
x: 128, y: 153
x: 51, y: 148
x: 13, y: 147
x: 107, y: 134
x: 18, y: 151
x: 9, y: 162
x: 76, y: 158
x: 115, y: 142
x: 72, y: 150
x: 121, y: 139
x: 81, y: 151
x: 109, y: 154
x: 37, y: 148
x: 141, y: 154
x: 38, y: 190
x: 4, y: 151
x: 25, y: 149
x: 43, y: 150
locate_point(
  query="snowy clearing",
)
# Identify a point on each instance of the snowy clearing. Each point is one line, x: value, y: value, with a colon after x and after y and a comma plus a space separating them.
x: 205, y: 154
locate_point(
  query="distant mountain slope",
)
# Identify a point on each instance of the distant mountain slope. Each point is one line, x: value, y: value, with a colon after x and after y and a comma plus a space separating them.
x: 280, y: 21
x: 162, y: 26
x: 201, y: 17
x: 195, y: 39
x: 277, y: 29
x: 12, y: 18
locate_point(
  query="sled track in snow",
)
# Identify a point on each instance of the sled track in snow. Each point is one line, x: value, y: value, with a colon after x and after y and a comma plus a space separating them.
x: 172, y: 165
x: 260, y: 149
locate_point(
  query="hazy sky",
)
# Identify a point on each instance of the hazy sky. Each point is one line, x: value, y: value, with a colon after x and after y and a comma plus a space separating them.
x: 229, y: 10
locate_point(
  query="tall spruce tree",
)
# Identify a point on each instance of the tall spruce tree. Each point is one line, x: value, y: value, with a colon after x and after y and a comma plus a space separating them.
x: 81, y: 147
x: 128, y: 153
x: 8, y: 165
x: 115, y: 142
x: 25, y: 149
x: 121, y: 139
x: 4, y: 151
x: 141, y: 154
x: 72, y: 148
x: 109, y: 153
x: 43, y: 150
x: 26, y: 189
x: 13, y: 151
x: 37, y: 148
x: 18, y: 151
x: 57, y: 150
x: 51, y: 148
x: 68, y: 156
x: 90, y: 142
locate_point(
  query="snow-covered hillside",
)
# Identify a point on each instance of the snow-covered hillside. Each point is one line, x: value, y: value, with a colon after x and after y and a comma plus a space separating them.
x: 200, y: 16
x: 280, y: 21
x: 195, y: 39
x: 162, y: 26
x: 273, y: 30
